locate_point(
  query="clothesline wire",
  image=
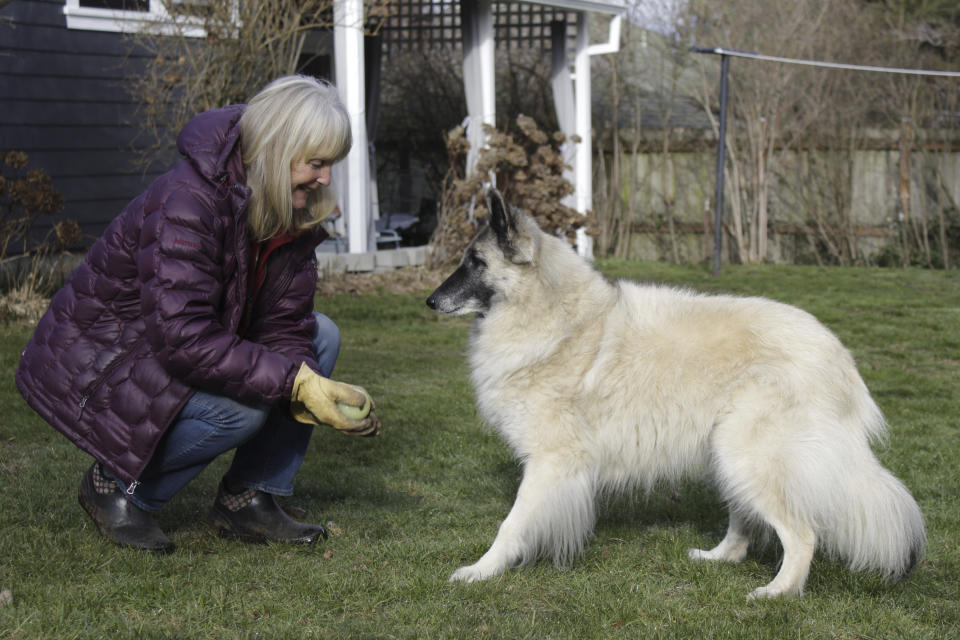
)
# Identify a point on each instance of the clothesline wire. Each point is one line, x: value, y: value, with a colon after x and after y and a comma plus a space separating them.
x: 828, y: 65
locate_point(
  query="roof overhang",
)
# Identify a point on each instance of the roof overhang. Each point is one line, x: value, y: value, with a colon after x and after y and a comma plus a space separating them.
x: 594, y: 6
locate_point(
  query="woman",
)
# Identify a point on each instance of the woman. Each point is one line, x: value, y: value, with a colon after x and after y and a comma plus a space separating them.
x: 189, y: 329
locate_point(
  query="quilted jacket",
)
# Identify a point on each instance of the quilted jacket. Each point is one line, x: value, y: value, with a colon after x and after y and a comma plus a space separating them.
x: 155, y: 310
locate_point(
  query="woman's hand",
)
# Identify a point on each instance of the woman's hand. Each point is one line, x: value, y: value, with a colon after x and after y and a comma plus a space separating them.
x: 314, y: 401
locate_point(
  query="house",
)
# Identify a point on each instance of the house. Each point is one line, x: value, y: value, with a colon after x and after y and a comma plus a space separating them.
x: 63, y: 100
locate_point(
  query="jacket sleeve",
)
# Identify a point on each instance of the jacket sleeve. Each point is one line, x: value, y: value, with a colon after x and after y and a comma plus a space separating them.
x: 186, y: 301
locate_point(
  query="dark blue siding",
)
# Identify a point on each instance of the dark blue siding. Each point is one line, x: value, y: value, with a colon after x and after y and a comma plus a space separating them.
x: 63, y: 102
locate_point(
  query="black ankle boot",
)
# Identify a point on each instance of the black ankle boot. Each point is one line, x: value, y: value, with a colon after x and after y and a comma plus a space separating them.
x: 261, y: 520
x: 119, y: 520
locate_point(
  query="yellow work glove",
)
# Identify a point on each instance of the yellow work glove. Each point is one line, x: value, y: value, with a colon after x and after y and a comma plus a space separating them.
x: 314, y: 401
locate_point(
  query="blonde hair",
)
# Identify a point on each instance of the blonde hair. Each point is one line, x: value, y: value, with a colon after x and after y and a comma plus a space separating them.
x: 292, y: 119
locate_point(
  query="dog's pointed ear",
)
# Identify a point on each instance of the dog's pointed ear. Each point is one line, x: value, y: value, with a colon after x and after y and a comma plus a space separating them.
x: 501, y: 220
x: 513, y: 230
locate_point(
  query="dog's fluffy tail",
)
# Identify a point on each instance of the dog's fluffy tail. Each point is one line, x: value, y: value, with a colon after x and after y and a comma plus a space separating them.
x: 862, y: 513
x: 824, y: 477
x: 880, y: 527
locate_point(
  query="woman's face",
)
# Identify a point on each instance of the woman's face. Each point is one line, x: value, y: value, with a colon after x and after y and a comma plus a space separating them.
x: 305, y: 176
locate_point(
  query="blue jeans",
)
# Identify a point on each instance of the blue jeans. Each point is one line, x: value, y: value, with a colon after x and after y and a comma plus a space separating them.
x: 270, y: 444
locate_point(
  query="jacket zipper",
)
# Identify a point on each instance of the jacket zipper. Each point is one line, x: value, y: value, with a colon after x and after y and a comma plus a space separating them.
x: 95, y: 385
x: 282, y: 282
x: 277, y: 288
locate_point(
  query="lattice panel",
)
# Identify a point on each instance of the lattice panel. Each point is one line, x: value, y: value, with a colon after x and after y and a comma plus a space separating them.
x: 426, y: 24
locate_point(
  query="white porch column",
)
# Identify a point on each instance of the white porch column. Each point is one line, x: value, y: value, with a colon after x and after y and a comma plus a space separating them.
x: 353, y: 176
x: 563, y: 103
x: 476, y: 20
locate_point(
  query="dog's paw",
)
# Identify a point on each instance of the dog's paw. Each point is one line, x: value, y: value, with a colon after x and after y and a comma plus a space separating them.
x: 473, y: 573
x: 704, y: 555
x: 719, y: 554
x: 699, y: 554
x: 768, y: 593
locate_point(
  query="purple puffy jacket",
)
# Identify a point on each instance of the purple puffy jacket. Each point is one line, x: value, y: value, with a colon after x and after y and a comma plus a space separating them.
x: 154, y: 311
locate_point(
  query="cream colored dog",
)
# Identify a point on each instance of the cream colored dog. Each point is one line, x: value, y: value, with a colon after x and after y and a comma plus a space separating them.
x: 606, y: 386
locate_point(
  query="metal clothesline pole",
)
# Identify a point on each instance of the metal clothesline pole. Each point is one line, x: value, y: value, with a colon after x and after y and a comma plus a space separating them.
x: 721, y: 155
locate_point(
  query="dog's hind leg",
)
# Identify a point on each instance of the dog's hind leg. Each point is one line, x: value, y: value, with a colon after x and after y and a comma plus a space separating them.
x: 798, y: 542
x: 552, y: 514
x: 733, y: 547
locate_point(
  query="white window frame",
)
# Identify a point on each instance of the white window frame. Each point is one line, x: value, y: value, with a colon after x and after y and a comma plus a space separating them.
x: 156, y: 19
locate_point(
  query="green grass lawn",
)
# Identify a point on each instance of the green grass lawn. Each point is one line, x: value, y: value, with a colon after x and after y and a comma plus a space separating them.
x: 427, y: 496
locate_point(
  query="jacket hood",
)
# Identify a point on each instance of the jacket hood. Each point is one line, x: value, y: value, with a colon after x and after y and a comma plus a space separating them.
x: 211, y: 142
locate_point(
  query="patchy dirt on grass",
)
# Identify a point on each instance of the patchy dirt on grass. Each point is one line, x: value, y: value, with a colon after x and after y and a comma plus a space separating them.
x: 405, y: 280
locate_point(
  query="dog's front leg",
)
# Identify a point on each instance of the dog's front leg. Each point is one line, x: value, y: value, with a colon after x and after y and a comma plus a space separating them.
x: 553, y: 515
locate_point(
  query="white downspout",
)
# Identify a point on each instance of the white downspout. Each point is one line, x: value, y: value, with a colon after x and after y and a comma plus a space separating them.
x: 583, y: 170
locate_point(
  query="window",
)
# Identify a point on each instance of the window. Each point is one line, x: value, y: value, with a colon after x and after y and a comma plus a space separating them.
x: 126, y: 16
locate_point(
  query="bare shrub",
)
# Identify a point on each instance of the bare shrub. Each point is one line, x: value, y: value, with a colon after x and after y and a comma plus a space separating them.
x: 246, y: 45
x: 30, y: 260
x: 529, y: 172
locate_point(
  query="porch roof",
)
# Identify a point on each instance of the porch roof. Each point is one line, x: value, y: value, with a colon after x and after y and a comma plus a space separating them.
x: 476, y: 30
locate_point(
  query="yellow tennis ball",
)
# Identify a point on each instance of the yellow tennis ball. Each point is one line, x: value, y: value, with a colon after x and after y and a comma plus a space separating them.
x: 356, y: 413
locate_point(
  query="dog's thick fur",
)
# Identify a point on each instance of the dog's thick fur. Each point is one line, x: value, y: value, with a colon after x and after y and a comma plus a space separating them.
x: 599, y: 386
